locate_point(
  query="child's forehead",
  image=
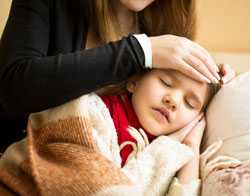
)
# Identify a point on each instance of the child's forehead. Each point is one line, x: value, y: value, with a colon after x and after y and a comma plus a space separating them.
x: 175, y: 74
x: 181, y: 77
x: 196, y: 87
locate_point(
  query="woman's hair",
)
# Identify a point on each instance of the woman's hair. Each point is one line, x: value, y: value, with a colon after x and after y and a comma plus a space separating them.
x: 177, y: 17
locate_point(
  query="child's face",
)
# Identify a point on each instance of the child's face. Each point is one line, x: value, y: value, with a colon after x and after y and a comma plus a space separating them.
x: 166, y: 100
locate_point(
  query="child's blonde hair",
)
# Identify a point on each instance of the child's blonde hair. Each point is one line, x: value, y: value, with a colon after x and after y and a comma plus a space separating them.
x: 121, y: 88
x: 212, y: 90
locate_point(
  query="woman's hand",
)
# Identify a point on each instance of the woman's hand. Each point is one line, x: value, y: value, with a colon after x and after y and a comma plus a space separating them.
x: 227, y: 73
x: 179, y: 53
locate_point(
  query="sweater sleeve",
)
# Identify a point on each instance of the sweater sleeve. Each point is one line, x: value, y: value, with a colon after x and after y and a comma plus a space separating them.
x: 31, y: 80
x: 153, y: 169
x: 191, y: 189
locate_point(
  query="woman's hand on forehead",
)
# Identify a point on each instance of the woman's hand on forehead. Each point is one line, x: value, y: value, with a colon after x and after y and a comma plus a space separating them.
x: 184, y: 55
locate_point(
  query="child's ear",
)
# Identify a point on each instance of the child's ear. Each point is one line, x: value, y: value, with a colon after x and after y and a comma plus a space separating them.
x: 131, y: 86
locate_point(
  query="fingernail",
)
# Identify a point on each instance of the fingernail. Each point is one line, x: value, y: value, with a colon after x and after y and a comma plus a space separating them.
x: 217, y: 75
x: 206, y: 80
x: 217, y: 68
x: 213, y: 64
x: 214, y: 80
x: 224, y: 80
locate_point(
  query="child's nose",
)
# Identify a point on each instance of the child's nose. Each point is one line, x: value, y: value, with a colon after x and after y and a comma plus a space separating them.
x: 172, y: 101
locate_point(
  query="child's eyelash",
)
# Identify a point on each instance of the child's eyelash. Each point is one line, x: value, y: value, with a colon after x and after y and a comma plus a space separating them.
x: 189, y: 105
x: 165, y: 83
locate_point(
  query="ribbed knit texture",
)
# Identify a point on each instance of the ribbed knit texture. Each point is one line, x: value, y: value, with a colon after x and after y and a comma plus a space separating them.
x: 73, y: 150
x: 62, y: 159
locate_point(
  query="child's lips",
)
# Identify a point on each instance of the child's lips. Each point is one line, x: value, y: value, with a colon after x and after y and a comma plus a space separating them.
x: 164, y: 112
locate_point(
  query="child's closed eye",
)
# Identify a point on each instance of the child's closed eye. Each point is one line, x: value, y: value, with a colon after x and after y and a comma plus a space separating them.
x: 166, y: 83
x: 190, y: 103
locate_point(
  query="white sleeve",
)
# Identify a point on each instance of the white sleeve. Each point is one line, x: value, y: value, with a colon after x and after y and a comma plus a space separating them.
x: 145, y: 43
x: 153, y: 169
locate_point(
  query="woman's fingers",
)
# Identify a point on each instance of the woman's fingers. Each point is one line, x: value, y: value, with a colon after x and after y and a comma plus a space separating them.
x: 191, y: 72
x: 206, y: 58
x: 227, y: 73
x: 184, y: 55
x: 199, y: 66
x: 203, y: 55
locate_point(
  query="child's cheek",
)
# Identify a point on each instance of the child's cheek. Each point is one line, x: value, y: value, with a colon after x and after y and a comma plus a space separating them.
x: 184, y: 118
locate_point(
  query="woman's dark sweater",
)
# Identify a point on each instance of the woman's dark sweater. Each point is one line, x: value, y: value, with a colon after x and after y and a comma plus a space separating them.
x: 43, y: 62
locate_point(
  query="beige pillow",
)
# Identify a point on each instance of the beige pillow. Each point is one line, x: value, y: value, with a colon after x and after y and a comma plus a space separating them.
x: 228, y: 119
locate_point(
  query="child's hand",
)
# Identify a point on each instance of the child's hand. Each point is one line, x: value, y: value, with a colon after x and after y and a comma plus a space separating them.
x: 193, y: 139
x: 182, y: 135
x: 227, y: 73
x: 194, y: 130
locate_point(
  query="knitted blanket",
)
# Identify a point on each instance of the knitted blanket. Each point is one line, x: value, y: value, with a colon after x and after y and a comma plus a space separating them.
x: 72, y: 149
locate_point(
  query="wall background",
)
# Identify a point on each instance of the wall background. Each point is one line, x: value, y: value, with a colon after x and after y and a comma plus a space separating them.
x: 223, y: 25
x: 4, y: 11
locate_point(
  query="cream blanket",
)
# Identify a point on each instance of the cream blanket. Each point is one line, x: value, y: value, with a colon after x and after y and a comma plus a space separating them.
x: 72, y: 149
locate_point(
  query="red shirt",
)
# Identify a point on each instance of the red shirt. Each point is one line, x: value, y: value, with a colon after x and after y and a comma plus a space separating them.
x: 123, y: 115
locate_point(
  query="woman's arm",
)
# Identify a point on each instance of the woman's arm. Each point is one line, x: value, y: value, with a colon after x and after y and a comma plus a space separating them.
x: 31, y: 80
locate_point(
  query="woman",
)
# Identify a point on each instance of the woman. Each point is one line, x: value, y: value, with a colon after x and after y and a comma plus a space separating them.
x: 53, y: 51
